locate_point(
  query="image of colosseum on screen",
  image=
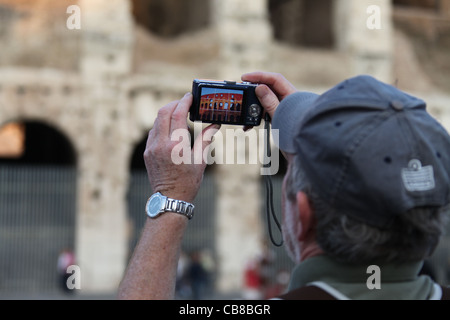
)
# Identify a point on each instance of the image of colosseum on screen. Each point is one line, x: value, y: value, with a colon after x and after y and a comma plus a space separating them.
x: 221, y: 105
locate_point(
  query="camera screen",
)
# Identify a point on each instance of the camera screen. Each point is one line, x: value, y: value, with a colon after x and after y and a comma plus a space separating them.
x: 221, y: 105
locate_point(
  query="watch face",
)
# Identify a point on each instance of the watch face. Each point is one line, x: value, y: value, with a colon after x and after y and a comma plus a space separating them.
x: 154, y: 206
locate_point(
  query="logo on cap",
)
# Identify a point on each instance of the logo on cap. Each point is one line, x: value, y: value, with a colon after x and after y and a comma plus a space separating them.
x: 417, y: 178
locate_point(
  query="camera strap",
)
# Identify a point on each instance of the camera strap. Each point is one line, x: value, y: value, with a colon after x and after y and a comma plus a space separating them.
x: 270, y: 211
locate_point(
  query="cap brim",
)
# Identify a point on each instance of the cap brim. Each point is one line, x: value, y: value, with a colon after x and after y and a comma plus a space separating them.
x: 288, y: 117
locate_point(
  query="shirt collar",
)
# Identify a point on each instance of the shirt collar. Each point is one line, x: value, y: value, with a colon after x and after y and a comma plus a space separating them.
x: 324, y: 268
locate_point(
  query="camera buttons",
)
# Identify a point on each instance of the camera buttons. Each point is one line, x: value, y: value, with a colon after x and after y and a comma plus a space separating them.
x: 254, y: 110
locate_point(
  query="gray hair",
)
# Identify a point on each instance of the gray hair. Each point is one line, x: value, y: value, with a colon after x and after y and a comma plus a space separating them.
x: 411, y: 237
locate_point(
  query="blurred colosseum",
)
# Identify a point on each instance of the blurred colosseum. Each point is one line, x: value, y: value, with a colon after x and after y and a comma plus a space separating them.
x: 76, y: 105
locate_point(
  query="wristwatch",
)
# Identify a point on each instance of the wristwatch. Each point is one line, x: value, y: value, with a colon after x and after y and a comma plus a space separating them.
x: 159, y: 204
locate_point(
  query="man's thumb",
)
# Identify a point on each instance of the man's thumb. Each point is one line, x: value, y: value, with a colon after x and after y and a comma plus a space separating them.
x: 268, y: 99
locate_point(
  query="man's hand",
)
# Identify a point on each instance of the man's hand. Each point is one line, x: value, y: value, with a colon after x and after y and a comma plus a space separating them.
x: 152, y: 271
x: 274, y: 88
x: 183, y: 181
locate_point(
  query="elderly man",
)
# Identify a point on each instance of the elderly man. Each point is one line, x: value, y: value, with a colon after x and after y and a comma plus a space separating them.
x: 367, y: 191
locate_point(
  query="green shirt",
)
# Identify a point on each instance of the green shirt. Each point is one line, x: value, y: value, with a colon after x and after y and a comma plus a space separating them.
x: 351, y: 282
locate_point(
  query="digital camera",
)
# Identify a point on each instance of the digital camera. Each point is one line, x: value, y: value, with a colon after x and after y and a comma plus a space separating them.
x: 226, y: 102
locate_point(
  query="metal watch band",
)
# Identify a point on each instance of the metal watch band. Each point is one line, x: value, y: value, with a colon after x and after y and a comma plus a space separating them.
x: 181, y: 207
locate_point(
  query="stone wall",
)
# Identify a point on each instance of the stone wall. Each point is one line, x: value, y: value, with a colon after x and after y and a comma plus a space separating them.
x: 29, y: 28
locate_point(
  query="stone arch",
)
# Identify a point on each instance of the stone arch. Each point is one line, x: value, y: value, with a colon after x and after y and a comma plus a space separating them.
x: 138, y: 192
x: 171, y: 18
x: 425, y: 4
x: 40, y: 136
x: 52, y: 98
x: 303, y: 22
x: 39, y: 200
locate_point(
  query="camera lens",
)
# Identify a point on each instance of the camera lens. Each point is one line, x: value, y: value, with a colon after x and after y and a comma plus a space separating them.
x: 254, y: 111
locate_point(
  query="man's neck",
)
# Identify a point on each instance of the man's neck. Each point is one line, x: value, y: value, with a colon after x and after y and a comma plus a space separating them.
x: 309, y: 250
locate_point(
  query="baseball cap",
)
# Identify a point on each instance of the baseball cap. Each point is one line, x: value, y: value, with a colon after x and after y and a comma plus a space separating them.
x: 368, y: 149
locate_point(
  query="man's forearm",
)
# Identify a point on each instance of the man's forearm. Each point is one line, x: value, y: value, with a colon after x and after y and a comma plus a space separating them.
x: 152, y: 271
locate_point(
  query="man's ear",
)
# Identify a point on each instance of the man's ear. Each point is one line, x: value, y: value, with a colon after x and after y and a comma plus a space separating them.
x: 306, y: 215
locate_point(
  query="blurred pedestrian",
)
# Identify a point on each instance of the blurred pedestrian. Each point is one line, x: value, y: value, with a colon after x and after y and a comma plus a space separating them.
x: 197, y: 275
x: 253, y: 283
x: 66, y: 259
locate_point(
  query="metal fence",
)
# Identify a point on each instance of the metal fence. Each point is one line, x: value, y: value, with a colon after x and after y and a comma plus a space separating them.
x: 37, y: 221
x: 38, y: 216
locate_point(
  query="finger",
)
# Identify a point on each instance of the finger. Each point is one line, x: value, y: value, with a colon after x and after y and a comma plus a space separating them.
x: 277, y: 82
x: 180, y: 114
x: 161, y: 127
x: 268, y: 99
